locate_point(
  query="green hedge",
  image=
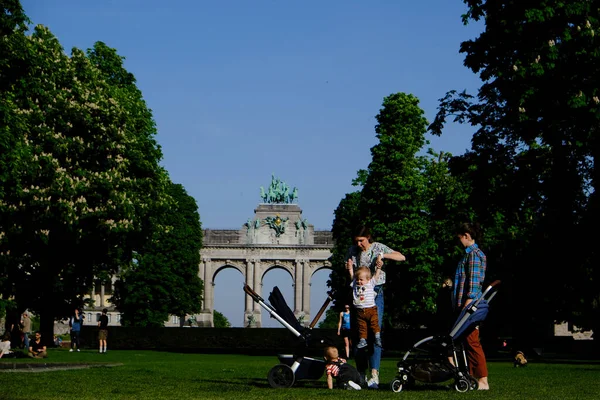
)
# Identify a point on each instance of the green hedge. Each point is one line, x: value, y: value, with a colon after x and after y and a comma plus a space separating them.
x: 232, y: 340
x: 267, y: 341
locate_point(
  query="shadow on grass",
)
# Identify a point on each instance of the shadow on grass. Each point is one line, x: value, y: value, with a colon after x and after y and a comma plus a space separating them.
x: 260, y: 383
x: 226, y: 385
x: 43, y: 367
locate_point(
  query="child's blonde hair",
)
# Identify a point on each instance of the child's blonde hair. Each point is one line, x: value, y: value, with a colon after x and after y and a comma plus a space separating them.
x: 364, y: 270
x: 330, y: 353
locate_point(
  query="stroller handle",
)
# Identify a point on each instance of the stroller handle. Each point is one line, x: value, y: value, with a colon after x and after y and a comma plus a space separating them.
x: 322, y: 310
x: 250, y: 292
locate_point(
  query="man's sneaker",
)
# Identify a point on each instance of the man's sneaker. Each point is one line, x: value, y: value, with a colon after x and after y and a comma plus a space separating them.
x: 362, y: 343
x: 373, y: 383
x: 78, y: 350
x: 353, y: 386
x: 70, y: 351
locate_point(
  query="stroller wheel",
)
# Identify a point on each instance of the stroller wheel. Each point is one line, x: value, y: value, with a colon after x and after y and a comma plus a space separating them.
x: 473, y: 384
x: 462, y: 385
x: 396, y: 385
x: 281, y: 376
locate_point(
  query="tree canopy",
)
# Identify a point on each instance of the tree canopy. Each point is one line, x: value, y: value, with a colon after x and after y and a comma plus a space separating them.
x: 409, y: 200
x: 534, y: 152
x: 163, y: 278
x: 80, y: 180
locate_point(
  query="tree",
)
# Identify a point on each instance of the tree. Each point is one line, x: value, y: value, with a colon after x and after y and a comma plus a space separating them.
x: 533, y: 163
x: 220, y: 320
x: 412, y: 203
x: 331, y: 320
x: 79, y: 174
x: 394, y: 203
x: 346, y: 218
x: 164, y: 280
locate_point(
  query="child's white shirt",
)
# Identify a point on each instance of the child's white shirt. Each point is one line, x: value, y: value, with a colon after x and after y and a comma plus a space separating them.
x: 363, y: 296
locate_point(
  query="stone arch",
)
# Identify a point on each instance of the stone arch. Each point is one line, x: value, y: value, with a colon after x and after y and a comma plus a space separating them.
x: 225, y: 278
x: 256, y: 248
x: 283, y: 278
x: 317, y: 298
x: 289, y: 270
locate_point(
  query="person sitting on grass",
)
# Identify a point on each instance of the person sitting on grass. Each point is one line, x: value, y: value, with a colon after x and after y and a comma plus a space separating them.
x: 347, y: 377
x: 5, y: 345
x: 36, y: 348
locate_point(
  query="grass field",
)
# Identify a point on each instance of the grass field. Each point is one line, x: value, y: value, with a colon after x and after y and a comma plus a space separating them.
x: 162, y: 375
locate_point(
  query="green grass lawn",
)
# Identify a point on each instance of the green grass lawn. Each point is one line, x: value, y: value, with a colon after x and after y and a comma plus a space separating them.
x: 162, y: 375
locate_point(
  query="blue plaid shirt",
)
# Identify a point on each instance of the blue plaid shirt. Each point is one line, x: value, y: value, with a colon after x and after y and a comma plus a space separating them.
x: 469, y: 277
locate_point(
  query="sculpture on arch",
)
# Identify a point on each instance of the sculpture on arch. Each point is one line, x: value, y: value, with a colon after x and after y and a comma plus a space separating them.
x: 278, y: 192
x: 277, y: 223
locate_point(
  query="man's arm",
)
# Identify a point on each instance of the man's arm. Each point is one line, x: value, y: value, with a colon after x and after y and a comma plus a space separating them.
x: 329, y: 381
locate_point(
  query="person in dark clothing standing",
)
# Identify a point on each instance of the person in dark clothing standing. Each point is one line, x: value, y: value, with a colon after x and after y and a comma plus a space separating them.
x: 75, y: 322
x: 103, y: 331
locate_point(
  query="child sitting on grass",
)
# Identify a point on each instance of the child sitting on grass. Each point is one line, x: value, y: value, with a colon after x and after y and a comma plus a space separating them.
x: 347, y: 377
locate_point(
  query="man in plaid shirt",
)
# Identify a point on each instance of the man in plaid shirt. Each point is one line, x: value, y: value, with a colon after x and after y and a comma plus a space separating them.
x: 468, y: 283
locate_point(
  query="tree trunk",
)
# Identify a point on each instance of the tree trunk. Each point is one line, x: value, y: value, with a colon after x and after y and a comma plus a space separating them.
x: 47, y: 326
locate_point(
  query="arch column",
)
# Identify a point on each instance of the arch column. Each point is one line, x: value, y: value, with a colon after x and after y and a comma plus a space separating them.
x: 252, y: 309
x: 205, y: 319
x: 302, y: 289
x: 306, y: 290
x: 298, y: 265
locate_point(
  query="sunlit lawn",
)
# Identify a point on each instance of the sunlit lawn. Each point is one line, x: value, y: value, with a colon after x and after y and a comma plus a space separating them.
x: 164, y: 375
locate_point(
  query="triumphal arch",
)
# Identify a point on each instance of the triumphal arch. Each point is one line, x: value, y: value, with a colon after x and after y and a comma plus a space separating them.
x: 276, y: 237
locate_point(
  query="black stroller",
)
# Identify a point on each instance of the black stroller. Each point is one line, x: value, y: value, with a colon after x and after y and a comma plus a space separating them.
x: 292, y: 367
x: 427, y: 361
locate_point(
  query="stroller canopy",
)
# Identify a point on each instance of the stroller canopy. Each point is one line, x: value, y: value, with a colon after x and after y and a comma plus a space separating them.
x: 479, y: 315
x: 278, y: 303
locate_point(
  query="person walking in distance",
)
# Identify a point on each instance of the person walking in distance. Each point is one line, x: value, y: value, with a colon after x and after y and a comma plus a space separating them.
x: 75, y: 322
x: 344, y: 328
x: 103, y: 331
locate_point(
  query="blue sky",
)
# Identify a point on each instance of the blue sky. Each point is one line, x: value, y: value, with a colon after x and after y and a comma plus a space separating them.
x: 243, y: 89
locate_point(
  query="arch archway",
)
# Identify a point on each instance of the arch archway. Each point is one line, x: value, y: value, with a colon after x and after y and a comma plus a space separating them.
x: 227, y: 301
x: 257, y: 248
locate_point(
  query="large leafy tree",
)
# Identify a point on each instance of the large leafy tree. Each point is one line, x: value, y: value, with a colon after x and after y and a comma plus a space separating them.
x: 13, y: 23
x: 345, y: 220
x: 393, y: 202
x: 163, y: 279
x: 411, y: 202
x: 535, y: 151
x: 79, y: 174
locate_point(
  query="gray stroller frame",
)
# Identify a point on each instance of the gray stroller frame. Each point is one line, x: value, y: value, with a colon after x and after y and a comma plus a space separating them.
x: 427, y: 361
x: 292, y: 367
